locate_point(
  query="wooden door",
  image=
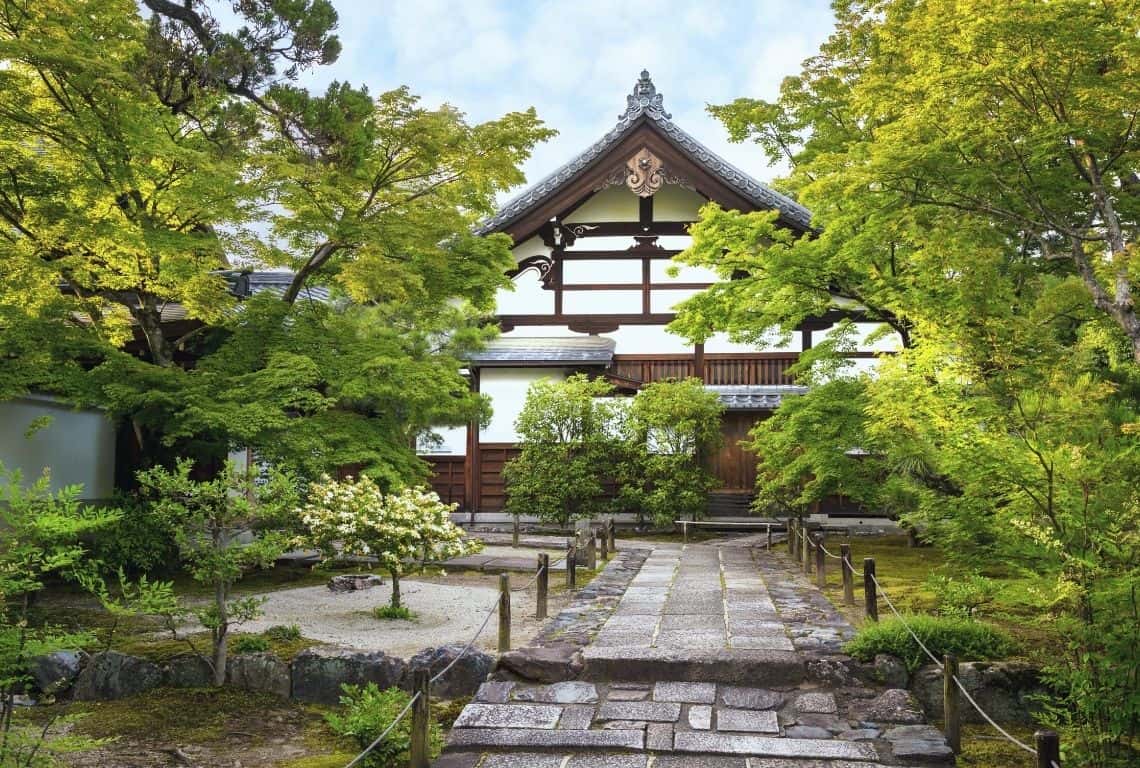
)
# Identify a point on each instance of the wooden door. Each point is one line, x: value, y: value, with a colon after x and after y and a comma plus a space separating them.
x: 734, y: 465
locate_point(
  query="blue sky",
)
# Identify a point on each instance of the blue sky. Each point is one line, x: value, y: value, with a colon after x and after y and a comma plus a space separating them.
x: 575, y: 61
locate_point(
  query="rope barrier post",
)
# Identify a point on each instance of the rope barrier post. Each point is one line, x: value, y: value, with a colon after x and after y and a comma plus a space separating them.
x: 515, y: 533
x: 611, y: 531
x: 791, y: 537
x: 769, y: 537
x: 591, y: 552
x: 543, y: 584
x: 504, y: 612
x: 806, y: 553
x: 820, y: 562
x: 571, y: 564
x: 603, y: 546
x: 952, y: 719
x: 421, y: 718
x: 871, y: 600
x: 1048, y: 749
x: 685, y: 531
x: 848, y: 574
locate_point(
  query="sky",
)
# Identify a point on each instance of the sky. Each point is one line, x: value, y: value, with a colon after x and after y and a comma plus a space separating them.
x: 574, y: 61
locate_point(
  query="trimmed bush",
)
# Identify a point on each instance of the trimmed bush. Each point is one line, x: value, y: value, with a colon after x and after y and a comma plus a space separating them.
x: 249, y: 644
x: 367, y: 711
x: 968, y: 640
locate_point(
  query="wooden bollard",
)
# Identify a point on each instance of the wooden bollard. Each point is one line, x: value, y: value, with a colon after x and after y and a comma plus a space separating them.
x: 515, y: 533
x: 543, y: 583
x: 769, y: 547
x: 791, y: 537
x: 952, y: 727
x: 870, y: 596
x: 504, y: 612
x: 571, y: 565
x: 419, y: 749
x: 805, y: 555
x: 848, y: 574
x: 611, y: 530
x: 603, y: 546
x: 591, y: 553
x: 820, y: 562
x: 1048, y: 749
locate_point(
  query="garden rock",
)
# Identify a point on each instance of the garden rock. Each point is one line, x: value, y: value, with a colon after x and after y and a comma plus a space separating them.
x: 114, y: 675
x: 259, y: 672
x: 351, y: 582
x: 1003, y: 689
x: 55, y: 672
x: 890, y: 671
x: 189, y: 670
x: 893, y: 706
x: 318, y: 673
x: 461, y: 680
x: 547, y: 664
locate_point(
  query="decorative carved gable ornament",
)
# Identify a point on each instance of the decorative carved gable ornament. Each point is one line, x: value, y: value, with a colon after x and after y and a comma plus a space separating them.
x: 646, y: 173
x: 624, y: 174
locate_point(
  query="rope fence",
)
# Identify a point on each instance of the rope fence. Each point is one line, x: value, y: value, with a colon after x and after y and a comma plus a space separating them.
x: 419, y: 704
x: 800, y: 547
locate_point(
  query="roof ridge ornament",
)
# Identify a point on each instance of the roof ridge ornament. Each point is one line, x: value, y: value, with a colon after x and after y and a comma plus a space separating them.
x: 644, y: 98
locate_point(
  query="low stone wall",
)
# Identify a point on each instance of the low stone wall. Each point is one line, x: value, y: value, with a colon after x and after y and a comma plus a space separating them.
x: 1006, y: 690
x: 315, y: 675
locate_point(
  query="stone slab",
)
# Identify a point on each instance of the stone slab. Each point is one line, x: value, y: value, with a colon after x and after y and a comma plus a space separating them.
x: 686, y: 693
x: 619, y: 694
x: 700, y: 717
x: 652, y: 711
x: 576, y: 717
x: 747, y: 720
x: 570, y: 692
x: 508, y: 716
x: 522, y: 760
x: 659, y: 737
x: 608, y: 761
x: 819, y: 703
x: 769, y: 746
x: 509, y: 738
x: 741, y: 697
x: 767, y: 668
x: 494, y: 692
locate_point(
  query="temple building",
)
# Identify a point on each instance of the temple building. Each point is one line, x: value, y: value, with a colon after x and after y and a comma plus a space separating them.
x: 593, y: 293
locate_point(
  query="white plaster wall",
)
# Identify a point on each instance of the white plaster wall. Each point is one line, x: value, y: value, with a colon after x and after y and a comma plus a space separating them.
x: 542, y: 331
x: 507, y: 389
x: 454, y: 442
x: 77, y: 446
x: 532, y: 247
x: 888, y: 343
x: 648, y: 340
x: 667, y: 299
x: 659, y: 273
x: 602, y: 302
x: 675, y: 203
x: 615, y: 203
x: 613, y: 270
x: 719, y: 343
x: 528, y: 297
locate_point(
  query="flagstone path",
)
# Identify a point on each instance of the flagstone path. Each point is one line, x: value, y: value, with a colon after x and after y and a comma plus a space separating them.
x: 715, y: 656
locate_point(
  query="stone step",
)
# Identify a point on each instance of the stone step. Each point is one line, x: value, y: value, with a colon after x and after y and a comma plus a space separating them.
x: 761, y: 668
x: 556, y: 759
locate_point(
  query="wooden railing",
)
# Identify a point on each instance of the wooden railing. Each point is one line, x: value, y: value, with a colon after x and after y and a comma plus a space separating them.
x: 757, y: 368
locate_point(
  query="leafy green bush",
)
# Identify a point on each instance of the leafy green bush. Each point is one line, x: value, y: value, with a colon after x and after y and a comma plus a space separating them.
x: 140, y: 541
x: 962, y: 595
x: 967, y: 639
x: 367, y: 712
x: 250, y: 644
x: 282, y: 633
x: 387, y: 612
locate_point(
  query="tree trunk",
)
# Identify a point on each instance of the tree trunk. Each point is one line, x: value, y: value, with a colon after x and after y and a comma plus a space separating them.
x: 221, y: 634
x: 395, y: 588
x: 149, y: 317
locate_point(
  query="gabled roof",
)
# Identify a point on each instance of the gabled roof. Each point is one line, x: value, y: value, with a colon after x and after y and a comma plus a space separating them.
x: 754, y: 397
x: 645, y: 106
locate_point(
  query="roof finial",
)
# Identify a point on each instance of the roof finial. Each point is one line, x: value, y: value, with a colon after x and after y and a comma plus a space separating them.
x: 644, y: 98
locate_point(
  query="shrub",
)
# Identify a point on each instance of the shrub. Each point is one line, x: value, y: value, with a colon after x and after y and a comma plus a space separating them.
x: 367, y: 712
x: 281, y: 633
x: 967, y: 639
x: 250, y: 644
x: 140, y: 541
x: 393, y: 612
x: 962, y: 596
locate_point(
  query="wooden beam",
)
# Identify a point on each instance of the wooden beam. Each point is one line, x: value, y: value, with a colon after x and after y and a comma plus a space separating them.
x: 699, y: 361
x: 472, y: 481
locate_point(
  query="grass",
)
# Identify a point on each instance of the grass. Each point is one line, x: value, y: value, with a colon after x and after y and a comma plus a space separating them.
x: 165, y: 648
x: 394, y: 613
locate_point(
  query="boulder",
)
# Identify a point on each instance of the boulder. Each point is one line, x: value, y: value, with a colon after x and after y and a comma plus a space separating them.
x: 189, y: 670
x: 55, y: 672
x: 259, y: 672
x: 463, y: 679
x: 114, y: 675
x: 893, y: 706
x: 544, y: 664
x: 1004, y: 689
x: 318, y: 673
x: 890, y: 671
x: 351, y: 582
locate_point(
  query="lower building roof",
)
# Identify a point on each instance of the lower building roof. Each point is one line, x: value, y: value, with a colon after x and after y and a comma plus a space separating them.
x: 754, y: 397
x: 543, y: 350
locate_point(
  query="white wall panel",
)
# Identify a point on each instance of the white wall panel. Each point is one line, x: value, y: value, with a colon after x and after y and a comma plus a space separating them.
x: 601, y: 302
x: 888, y: 343
x: 675, y: 203
x: 611, y: 204
x: 77, y: 446
x: 719, y: 344
x: 659, y: 273
x: 452, y: 442
x: 531, y: 247
x: 528, y: 297
x: 507, y: 389
x: 662, y: 300
x: 648, y: 340
x: 615, y: 270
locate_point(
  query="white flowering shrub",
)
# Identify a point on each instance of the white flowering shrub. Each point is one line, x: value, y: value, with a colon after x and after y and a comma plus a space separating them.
x: 354, y: 517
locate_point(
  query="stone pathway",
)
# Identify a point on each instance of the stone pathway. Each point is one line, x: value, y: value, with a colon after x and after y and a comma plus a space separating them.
x: 715, y: 656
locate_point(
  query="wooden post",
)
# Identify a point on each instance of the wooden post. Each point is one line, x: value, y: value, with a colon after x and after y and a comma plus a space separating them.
x: 515, y: 533
x: 848, y: 574
x: 806, y: 553
x: 543, y: 584
x: 611, y: 530
x: 791, y: 528
x: 952, y: 723
x: 769, y: 548
x: 504, y: 612
x: 571, y: 564
x: 421, y: 718
x: 1048, y: 749
x: 603, y: 546
x: 820, y: 562
x: 684, y: 531
x: 591, y: 552
x: 871, y: 598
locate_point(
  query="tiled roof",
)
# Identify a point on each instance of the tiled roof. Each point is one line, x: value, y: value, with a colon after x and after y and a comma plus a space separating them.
x: 645, y: 103
x: 546, y: 350
x: 277, y: 282
x: 754, y: 397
